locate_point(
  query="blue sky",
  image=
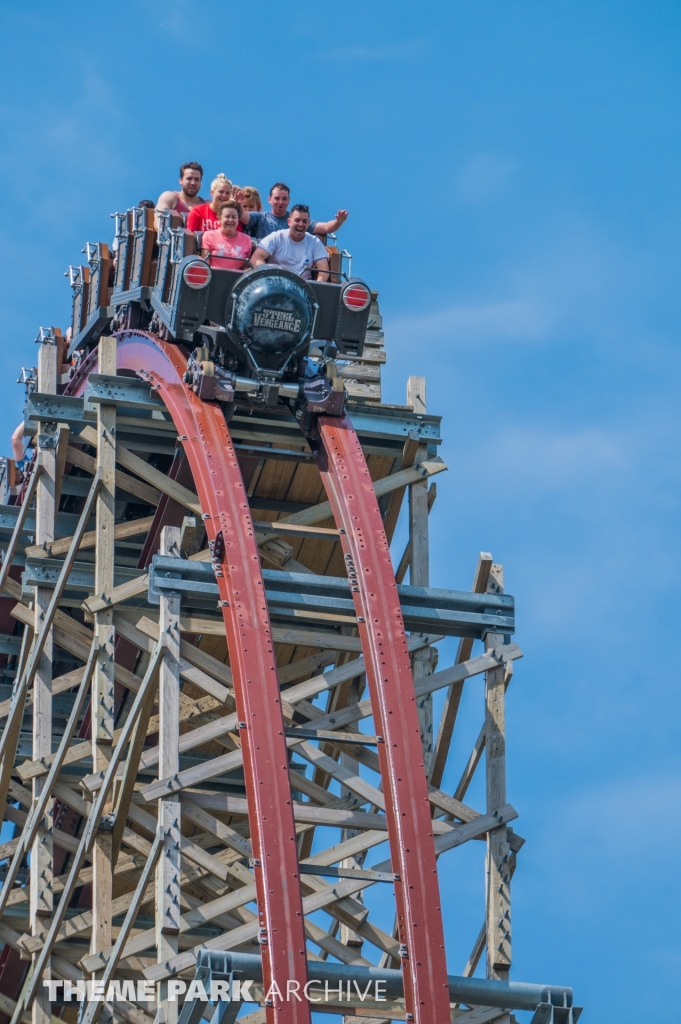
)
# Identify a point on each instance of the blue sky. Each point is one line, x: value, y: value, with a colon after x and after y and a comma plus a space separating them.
x: 511, y: 169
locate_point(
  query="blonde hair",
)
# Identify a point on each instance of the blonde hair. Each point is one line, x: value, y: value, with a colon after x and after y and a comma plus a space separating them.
x: 221, y: 179
x: 252, y: 193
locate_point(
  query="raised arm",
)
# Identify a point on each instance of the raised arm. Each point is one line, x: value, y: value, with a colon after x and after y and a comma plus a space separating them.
x: 239, y: 195
x: 322, y: 268
x: 327, y: 227
x: 260, y: 256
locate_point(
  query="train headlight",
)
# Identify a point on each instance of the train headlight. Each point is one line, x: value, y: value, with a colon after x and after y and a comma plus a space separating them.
x: 197, y: 274
x: 356, y: 297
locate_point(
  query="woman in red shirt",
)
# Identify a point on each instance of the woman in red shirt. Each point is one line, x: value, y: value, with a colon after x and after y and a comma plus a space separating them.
x: 206, y: 217
x: 227, y: 247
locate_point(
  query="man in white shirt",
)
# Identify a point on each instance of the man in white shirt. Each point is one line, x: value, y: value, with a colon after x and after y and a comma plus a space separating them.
x: 295, y: 249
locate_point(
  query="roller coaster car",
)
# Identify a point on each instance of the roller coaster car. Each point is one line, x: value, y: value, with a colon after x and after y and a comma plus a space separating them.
x: 256, y: 327
x: 252, y: 331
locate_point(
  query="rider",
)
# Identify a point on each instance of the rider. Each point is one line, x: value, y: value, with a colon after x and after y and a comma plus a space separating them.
x: 206, y: 217
x: 259, y: 225
x: 296, y: 249
x: 188, y: 197
x: 225, y: 246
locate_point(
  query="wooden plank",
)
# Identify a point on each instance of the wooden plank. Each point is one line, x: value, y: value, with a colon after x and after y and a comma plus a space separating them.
x: 292, y: 531
x: 121, y: 532
x: 422, y: 664
x: 317, y: 513
x: 148, y: 683
x: 15, y: 712
x: 32, y: 824
x: 128, y: 590
x: 471, y: 765
x: 304, y: 813
x: 411, y: 446
x: 195, y: 656
x: 94, y: 1007
x: 124, y: 482
x: 148, y: 634
x: 102, y: 704
x: 476, y: 953
x: 405, y: 561
x: 281, y: 634
x: 42, y: 851
x: 168, y: 890
x: 24, y: 509
x: 114, y: 595
x: 453, y: 698
x: 498, y: 850
x: 228, y: 762
x: 72, y: 637
x: 63, y: 433
x: 149, y: 473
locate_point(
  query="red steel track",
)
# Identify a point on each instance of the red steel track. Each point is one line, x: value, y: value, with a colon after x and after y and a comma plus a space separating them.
x: 351, y: 493
x: 223, y: 498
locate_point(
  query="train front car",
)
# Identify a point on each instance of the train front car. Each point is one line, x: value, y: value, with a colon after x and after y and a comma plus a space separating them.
x: 264, y: 335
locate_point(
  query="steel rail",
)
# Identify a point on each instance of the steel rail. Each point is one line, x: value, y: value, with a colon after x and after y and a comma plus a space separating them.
x: 222, y: 495
x: 350, y: 491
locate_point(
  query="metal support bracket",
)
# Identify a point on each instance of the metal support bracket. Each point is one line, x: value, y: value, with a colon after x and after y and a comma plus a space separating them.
x: 425, y: 609
x: 126, y: 392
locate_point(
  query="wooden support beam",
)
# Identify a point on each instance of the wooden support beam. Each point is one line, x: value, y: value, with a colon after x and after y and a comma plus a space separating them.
x: 317, y: 513
x: 124, y: 482
x: 392, y: 515
x: 324, y: 897
x: 15, y: 713
x: 280, y: 634
x: 24, y: 509
x: 63, y: 433
x: 135, y: 528
x: 498, y: 849
x: 297, y: 693
x: 33, y: 821
x: 169, y: 809
x: 41, y: 869
x: 405, y: 561
x: 94, y: 1007
x: 453, y: 699
x: 114, y: 595
x: 150, y: 474
x: 102, y: 704
x: 422, y: 660
x: 92, y: 830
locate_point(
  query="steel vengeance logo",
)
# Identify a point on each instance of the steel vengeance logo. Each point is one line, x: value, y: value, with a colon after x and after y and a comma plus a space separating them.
x: 277, y: 319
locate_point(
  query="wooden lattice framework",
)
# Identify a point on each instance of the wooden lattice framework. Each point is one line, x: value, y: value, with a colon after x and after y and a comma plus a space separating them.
x: 129, y: 873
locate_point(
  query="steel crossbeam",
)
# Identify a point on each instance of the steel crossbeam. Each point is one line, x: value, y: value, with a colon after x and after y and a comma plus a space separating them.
x: 384, y: 433
x: 425, y: 609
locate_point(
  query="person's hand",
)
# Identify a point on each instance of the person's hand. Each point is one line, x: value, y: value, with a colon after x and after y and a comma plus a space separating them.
x: 238, y: 194
x: 342, y: 216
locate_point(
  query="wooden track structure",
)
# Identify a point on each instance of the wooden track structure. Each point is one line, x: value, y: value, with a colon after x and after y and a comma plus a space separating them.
x: 198, y: 620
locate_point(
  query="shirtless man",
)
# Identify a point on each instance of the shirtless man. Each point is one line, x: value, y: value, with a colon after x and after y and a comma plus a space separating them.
x: 188, y: 197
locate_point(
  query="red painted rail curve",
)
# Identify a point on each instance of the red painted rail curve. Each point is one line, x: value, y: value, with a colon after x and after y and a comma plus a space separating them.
x: 222, y: 495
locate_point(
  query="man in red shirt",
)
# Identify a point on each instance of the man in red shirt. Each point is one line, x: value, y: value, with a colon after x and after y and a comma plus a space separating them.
x: 191, y: 176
